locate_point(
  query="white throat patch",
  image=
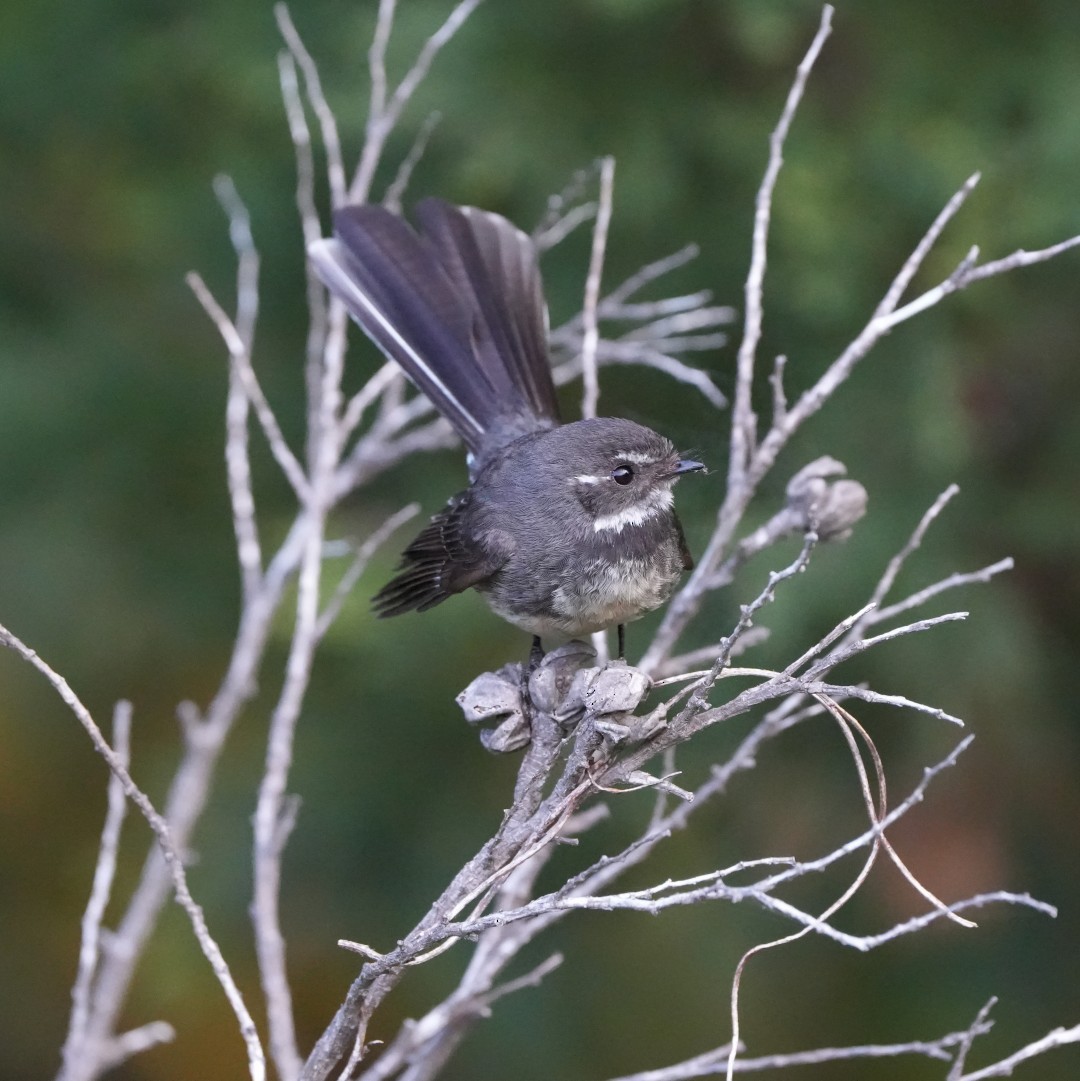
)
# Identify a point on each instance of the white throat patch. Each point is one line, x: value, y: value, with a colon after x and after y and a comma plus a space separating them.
x: 658, y: 501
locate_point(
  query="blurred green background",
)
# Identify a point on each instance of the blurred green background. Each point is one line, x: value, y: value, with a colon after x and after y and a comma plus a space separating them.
x: 116, y: 550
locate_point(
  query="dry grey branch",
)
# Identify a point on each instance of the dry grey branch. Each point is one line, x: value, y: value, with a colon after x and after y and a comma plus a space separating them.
x: 239, y: 338
x: 590, y: 394
x: 395, y: 193
x: 952, y: 581
x: 359, y: 564
x: 166, y: 845
x: 335, y: 168
x: 743, y: 422
x: 566, y: 210
x: 386, y: 106
x: 75, y: 1054
x: 712, y: 1062
x: 248, y: 391
x: 1058, y: 1037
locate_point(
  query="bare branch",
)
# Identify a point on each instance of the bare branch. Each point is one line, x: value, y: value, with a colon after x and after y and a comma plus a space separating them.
x: 359, y: 565
x: 247, y: 259
x: 385, y: 107
x: 977, y: 1028
x: 300, y: 133
x: 743, y: 422
x: 395, y: 193
x: 248, y: 383
x: 647, y: 274
x: 1058, y: 1037
x: 134, y: 1042
x: 848, y: 649
x: 565, y: 210
x: 780, y: 405
x: 591, y: 388
x: 609, y: 352
x: 678, y: 667
x: 914, y: 261
x: 967, y: 273
x: 335, y: 168
x: 895, y: 565
x: 1017, y: 259
x: 210, y: 948
x: 712, y: 1062
x: 237, y: 458
x: 367, y: 395
x: 952, y: 581
x: 204, y: 740
x: 555, y: 233
x: 75, y: 1056
x: 274, y: 814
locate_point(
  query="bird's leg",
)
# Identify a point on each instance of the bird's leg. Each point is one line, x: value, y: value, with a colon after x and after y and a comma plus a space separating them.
x: 536, y: 653
x: 621, y: 631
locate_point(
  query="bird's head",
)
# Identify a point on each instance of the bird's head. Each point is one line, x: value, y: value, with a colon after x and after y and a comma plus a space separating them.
x: 621, y: 472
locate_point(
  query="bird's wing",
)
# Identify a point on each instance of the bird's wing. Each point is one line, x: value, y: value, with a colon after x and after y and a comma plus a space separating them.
x: 441, y: 561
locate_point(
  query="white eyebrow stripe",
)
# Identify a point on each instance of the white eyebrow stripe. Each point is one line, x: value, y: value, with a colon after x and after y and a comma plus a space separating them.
x: 635, y: 456
x: 636, y: 514
x: 585, y: 478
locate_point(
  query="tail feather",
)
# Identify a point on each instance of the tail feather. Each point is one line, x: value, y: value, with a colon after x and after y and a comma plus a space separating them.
x: 380, y: 270
x: 493, y: 264
x: 460, y: 308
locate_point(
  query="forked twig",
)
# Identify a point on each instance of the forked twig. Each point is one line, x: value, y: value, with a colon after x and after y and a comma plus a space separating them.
x: 166, y: 845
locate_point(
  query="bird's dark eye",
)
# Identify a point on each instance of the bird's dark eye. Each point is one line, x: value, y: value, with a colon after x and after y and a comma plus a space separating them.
x: 622, y: 474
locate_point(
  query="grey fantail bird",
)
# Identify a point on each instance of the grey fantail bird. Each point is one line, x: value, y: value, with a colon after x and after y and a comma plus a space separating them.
x: 565, y: 529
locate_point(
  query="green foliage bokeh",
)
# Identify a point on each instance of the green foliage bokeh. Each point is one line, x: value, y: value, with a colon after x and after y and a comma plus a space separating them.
x: 116, y: 551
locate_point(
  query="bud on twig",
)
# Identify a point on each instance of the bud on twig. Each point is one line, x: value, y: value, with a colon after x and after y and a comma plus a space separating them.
x: 830, y: 509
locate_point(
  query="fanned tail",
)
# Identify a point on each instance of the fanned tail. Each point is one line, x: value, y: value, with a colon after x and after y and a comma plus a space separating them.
x: 459, y: 306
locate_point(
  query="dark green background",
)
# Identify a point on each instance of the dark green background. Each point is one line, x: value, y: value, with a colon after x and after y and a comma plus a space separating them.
x: 116, y: 557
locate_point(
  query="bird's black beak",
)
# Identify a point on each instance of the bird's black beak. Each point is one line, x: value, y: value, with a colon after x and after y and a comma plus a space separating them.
x: 683, y: 465
x: 687, y: 465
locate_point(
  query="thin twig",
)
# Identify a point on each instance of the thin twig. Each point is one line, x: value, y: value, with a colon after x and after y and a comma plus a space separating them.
x: 249, y: 383
x: 237, y: 454
x: 590, y: 392
x: 951, y: 581
x: 619, y: 352
x: 133, y: 1042
x: 386, y: 106
x: 978, y: 1027
x: 555, y: 233
x: 896, y: 564
x: 1059, y: 1037
x: 274, y: 815
x: 876, y: 810
x: 565, y: 210
x: 367, y: 395
x: 359, y: 564
x: 335, y: 168
x: 74, y: 1054
x: 967, y: 273
x: 300, y: 133
x: 395, y: 193
x: 848, y: 649
x: 711, y: 1062
x: 743, y: 422
x: 209, y: 947
x: 925, y: 246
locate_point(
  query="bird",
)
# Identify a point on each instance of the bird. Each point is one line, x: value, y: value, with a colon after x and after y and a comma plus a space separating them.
x: 565, y: 529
